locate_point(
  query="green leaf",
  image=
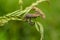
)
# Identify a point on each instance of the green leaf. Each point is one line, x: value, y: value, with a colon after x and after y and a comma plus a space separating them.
x: 36, y: 26
x: 41, y: 30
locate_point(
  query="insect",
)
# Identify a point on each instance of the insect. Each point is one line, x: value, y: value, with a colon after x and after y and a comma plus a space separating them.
x: 37, y: 13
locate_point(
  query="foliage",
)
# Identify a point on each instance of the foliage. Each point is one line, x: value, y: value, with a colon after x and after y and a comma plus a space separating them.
x: 20, y: 30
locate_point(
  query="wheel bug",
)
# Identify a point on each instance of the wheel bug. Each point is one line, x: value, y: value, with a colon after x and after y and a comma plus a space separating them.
x: 37, y: 13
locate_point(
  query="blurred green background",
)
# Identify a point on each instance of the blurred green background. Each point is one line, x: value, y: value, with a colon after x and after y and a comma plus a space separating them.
x: 17, y: 30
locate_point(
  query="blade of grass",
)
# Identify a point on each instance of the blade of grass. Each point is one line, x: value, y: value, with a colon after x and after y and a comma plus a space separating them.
x: 41, y: 30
